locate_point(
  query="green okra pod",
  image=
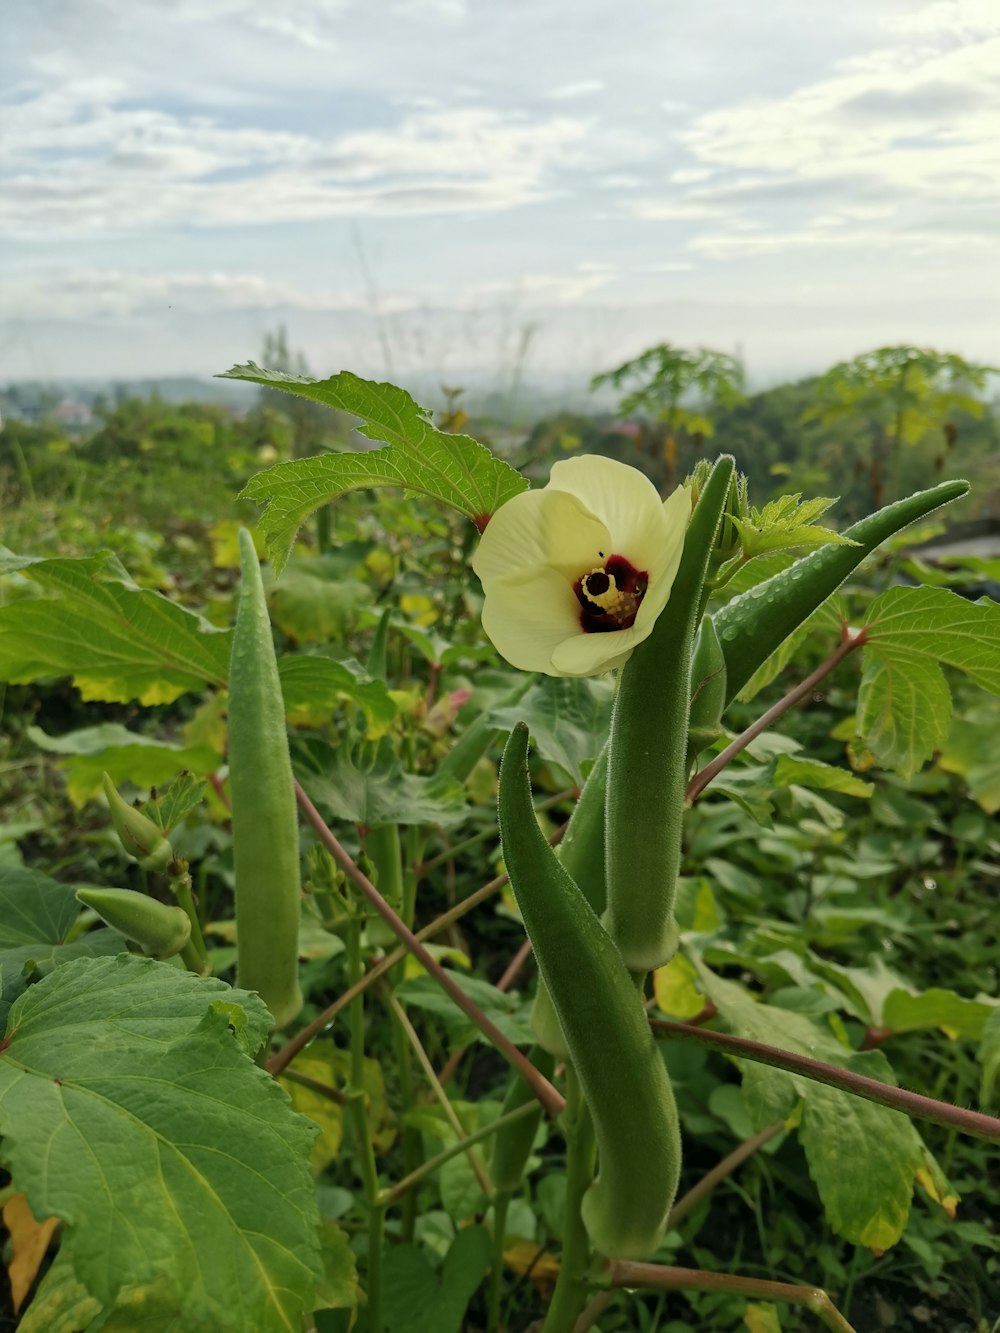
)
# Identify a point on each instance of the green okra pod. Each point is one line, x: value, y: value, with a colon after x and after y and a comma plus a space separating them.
x: 581, y: 852
x: 755, y: 623
x: 512, y: 1144
x: 265, y: 826
x: 159, y: 930
x: 600, y: 1011
x: 647, y: 755
x: 708, y: 690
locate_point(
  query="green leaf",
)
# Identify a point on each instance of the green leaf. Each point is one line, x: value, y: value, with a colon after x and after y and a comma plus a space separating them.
x: 178, y: 1168
x: 173, y: 806
x: 935, y: 1008
x: 786, y: 524
x: 568, y: 718
x: 127, y: 756
x: 862, y: 1157
x: 315, y: 604
x: 384, y: 794
x: 417, y: 1300
x: 452, y: 468
x: 989, y: 1058
x: 36, y: 914
x: 790, y: 770
x: 118, y: 642
x: 904, y: 705
x: 509, y: 1012
x: 312, y: 687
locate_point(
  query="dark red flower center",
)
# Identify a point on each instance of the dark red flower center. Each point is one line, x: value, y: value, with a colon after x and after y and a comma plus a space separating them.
x: 610, y: 594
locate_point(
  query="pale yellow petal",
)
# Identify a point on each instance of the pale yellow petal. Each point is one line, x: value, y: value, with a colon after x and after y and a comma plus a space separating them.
x: 540, y: 528
x: 625, y: 501
x: 664, y: 563
x: 528, y: 615
x: 593, y: 654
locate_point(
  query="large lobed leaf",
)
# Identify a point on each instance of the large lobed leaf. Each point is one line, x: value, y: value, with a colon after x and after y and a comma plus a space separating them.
x: 455, y: 469
x: 178, y: 1167
x: 117, y: 641
x: 863, y: 1158
x: 904, y: 705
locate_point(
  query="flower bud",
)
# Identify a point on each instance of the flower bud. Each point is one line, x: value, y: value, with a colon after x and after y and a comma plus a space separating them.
x: 159, y: 930
x: 139, y: 836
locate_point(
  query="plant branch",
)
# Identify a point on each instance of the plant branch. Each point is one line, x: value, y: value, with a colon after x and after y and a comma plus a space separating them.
x: 897, y: 1099
x: 396, y: 1192
x: 550, y: 1098
x: 624, y: 1273
x: 847, y: 645
x: 721, y: 1171
x: 322, y: 1089
x: 287, y: 1053
x: 423, y: 1059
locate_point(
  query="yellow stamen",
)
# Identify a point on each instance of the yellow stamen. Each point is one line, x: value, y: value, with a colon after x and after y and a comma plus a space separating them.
x: 611, y: 599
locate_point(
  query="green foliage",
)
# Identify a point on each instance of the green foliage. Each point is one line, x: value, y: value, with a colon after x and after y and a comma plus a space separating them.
x: 210, y: 1215
x: 842, y: 904
x: 862, y: 1157
x: 454, y: 469
x: 116, y: 641
x: 36, y: 924
x: 904, y: 706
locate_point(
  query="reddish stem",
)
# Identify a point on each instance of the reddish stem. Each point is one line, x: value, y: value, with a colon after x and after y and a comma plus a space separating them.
x: 897, y: 1099
x: 550, y: 1098
x: 847, y: 645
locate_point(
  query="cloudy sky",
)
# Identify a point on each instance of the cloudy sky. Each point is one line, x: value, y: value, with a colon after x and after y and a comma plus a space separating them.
x: 423, y: 187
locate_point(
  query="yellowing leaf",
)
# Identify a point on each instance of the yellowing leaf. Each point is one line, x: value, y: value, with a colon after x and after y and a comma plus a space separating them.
x: 762, y: 1319
x: 676, y: 990
x: 29, y: 1241
x: 327, y: 1114
x: 525, y: 1257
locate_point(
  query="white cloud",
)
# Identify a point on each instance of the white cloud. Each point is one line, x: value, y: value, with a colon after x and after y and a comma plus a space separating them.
x: 66, y: 293
x: 581, y: 88
x: 78, y: 160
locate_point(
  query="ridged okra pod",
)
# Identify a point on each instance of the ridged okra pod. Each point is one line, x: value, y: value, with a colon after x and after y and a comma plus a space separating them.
x: 647, y: 756
x: 265, y: 826
x: 601, y: 1014
x: 581, y: 853
x: 755, y: 623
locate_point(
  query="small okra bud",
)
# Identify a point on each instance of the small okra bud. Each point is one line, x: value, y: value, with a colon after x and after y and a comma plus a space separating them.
x: 139, y: 836
x: 159, y: 930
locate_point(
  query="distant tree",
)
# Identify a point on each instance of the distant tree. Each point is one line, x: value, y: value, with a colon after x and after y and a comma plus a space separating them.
x: 673, y: 389
x: 310, y: 422
x: 901, y: 395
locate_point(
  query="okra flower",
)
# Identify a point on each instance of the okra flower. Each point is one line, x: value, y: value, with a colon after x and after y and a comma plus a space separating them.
x: 576, y: 574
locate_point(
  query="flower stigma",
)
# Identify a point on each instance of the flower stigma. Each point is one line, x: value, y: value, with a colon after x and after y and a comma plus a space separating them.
x: 609, y: 595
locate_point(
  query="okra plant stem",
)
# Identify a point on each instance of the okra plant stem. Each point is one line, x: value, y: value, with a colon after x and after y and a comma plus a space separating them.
x: 570, y: 1295
x: 624, y: 1273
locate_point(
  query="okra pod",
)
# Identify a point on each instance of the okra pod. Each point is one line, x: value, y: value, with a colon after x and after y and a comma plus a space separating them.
x: 647, y: 755
x: 600, y: 1011
x: 265, y: 826
x: 755, y: 623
